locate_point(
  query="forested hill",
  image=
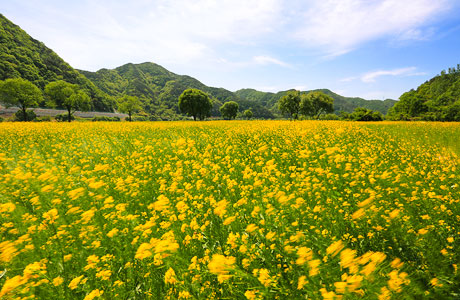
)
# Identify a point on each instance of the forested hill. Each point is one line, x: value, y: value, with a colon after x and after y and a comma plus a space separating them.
x: 341, y: 103
x: 435, y: 100
x: 24, y: 57
x: 159, y: 89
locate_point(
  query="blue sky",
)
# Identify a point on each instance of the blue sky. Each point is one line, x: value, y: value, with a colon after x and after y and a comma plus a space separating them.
x: 366, y: 48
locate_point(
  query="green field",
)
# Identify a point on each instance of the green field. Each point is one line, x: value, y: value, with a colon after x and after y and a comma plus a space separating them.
x: 229, y: 210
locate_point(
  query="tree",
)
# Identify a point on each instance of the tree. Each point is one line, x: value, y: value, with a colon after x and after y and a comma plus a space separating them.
x: 290, y: 104
x: 248, y: 114
x: 129, y: 105
x: 314, y: 104
x: 21, y: 93
x: 195, y: 103
x: 68, y: 96
x: 364, y: 114
x: 410, y: 105
x: 229, y: 110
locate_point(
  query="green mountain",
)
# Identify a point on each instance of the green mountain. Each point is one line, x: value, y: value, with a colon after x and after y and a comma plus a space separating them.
x: 22, y: 56
x: 159, y: 89
x: 435, y: 100
x: 341, y: 103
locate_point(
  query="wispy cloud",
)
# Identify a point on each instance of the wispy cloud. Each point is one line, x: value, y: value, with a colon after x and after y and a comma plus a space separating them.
x: 268, y: 60
x: 348, y: 79
x: 371, y: 76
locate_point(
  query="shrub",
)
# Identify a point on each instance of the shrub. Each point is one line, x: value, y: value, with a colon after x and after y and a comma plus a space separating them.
x: 329, y: 117
x: 43, y: 119
x: 19, y: 116
x: 363, y: 114
x: 1, y: 119
x: 105, y: 119
x: 64, y: 118
x: 139, y: 118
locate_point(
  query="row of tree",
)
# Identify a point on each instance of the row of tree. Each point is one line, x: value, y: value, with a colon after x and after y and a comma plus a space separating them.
x: 61, y: 94
x: 311, y: 104
x: 192, y: 102
x: 197, y: 104
x: 24, y: 94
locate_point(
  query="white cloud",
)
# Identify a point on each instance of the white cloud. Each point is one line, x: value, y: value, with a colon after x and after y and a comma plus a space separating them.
x: 338, y: 26
x: 371, y: 76
x: 348, y: 79
x: 267, y: 60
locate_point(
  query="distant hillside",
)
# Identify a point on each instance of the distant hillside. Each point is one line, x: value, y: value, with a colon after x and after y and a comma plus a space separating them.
x: 341, y: 103
x: 159, y: 89
x: 24, y: 57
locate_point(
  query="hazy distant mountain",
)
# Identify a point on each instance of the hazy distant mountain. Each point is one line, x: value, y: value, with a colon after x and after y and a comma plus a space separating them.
x: 22, y: 56
x: 341, y: 103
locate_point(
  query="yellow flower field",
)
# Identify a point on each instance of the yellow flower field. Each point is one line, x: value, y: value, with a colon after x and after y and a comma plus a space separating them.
x: 229, y: 210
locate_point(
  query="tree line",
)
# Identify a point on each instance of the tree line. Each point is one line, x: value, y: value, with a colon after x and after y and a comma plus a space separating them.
x: 192, y: 102
x: 57, y: 94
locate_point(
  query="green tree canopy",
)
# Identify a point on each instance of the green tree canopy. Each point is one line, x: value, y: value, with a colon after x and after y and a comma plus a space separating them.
x: 411, y: 104
x: 66, y: 95
x: 248, y: 114
x: 129, y: 105
x: 229, y: 110
x: 314, y: 104
x: 364, y: 114
x: 290, y: 104
x: 195, y: 103
x: 21, y: 93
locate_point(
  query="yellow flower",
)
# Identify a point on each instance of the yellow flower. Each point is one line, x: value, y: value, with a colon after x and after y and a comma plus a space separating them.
x: 112, y: 232
x: 166, y: 245
x: 435, y: 282
x: 184, y: 295
x: 358, y: 214
x: 264, y: 277
x: 51, y: 215
x: 104, y: 274
x: 11, y: 284
x: 58, y: 281
x: 302, y: 282
x: 229, y: 220
x: 74, y: 283
x: 340, y: 287
x: 335, y: 248
x: 143, y: 251
x: 313, y: 264
x: 170, y: 276
x: 221, y: 265
x: 220, y: 209
x: 250, y: 295
x: 251, y: 227
x: 93, y: 294
x: 7, y: 251
x: 162, y: 203
x: 305, y: 254
x: 67, y: 257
